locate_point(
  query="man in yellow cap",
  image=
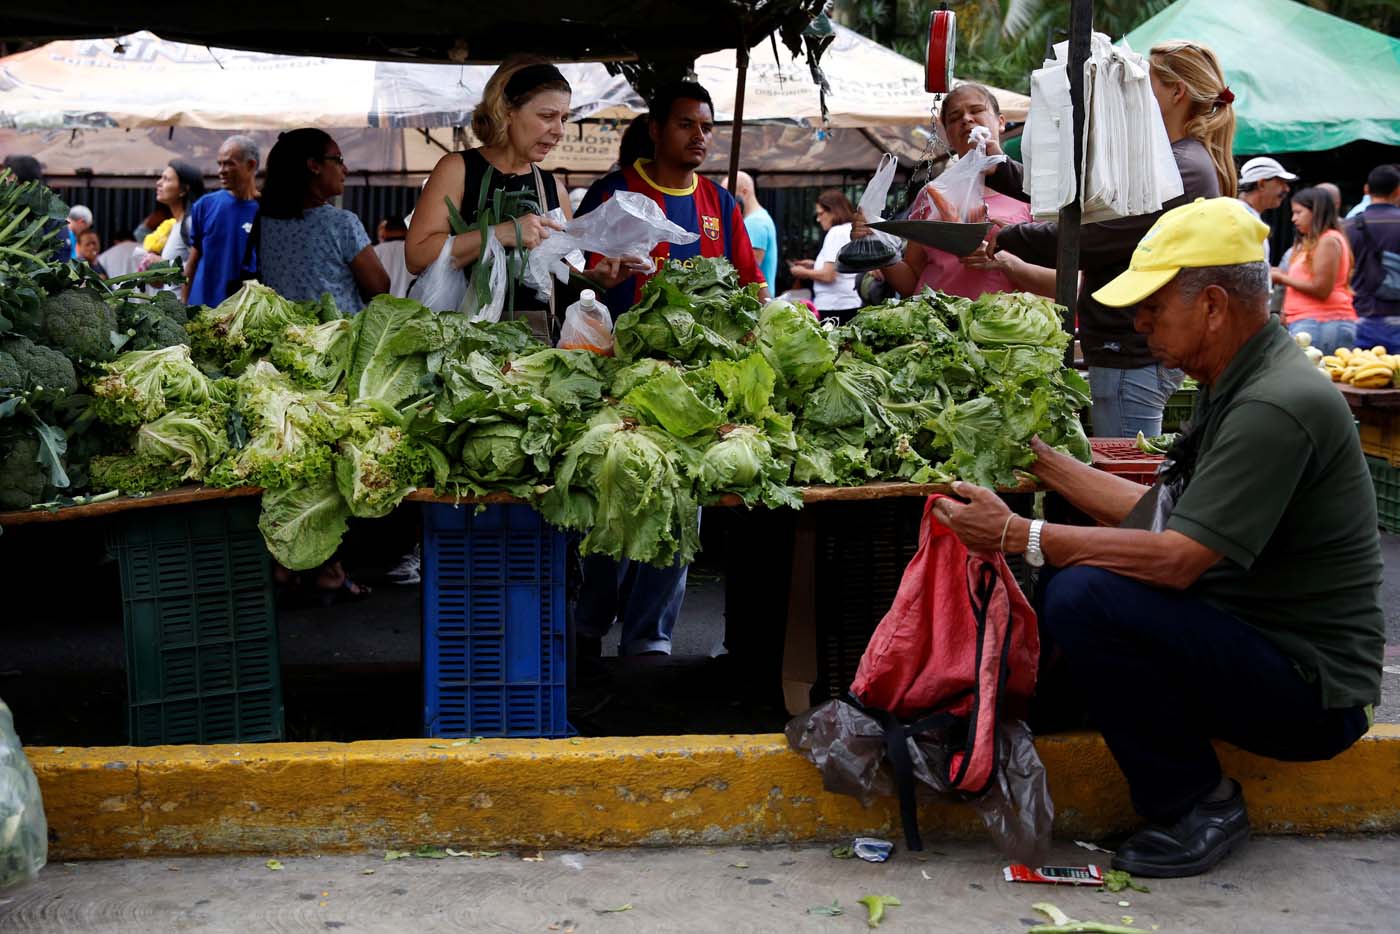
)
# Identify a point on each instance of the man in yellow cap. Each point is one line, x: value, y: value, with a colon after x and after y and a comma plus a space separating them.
x: 1239, y: 598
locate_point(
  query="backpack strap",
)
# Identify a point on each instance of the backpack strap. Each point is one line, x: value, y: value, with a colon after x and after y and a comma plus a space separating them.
x: 897, y: 734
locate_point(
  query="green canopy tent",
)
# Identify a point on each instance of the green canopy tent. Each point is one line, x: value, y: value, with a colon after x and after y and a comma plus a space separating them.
x: 1304, y: 80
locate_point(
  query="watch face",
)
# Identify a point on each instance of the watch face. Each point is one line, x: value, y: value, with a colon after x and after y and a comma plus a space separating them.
x: 1035, y: 558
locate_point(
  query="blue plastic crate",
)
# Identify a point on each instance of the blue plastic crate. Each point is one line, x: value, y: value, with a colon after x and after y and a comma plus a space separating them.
x: 200, y: 625
x: 494, y: 650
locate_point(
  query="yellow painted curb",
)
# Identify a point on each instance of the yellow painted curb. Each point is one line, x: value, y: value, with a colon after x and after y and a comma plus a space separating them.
x: 317, y: 797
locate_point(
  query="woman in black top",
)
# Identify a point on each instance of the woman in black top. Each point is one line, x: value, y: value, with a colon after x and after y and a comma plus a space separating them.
x: 519, y: 121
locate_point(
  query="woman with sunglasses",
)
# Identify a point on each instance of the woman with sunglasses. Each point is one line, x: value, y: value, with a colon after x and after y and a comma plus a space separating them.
x: 306, y: 246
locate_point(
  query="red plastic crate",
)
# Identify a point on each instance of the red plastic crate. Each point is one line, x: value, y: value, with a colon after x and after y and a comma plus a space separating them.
x: 1122, y: 457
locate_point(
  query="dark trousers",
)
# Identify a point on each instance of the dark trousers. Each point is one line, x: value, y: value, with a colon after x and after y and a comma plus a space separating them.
x: 1168, y: 673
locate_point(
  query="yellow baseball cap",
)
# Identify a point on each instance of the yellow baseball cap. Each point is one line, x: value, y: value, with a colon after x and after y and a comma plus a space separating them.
x: 1206, y: 232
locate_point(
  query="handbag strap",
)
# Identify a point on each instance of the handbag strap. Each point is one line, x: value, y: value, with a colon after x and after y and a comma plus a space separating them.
x: 552, y: 324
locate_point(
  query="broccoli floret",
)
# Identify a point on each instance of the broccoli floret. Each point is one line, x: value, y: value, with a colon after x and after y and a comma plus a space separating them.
x: 80, y: 323
x: 22, y: 477
x: 132, y: 473
x: 39, y: 367
x: 164, y: 333
x: 169, y: 305
x: 11, y: 376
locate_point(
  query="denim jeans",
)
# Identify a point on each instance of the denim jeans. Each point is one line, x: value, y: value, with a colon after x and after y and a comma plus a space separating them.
x: 1168, y: 673
x: 646, y: 599
x: 1381, y: 329
x: 1129, y: 401
x: 1327, y: 336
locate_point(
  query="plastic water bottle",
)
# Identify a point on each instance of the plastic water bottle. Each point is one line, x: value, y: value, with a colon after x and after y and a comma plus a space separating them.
x: 587, y: 325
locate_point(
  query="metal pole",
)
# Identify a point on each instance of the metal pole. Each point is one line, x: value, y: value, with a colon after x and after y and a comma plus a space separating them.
x: 741, y: 61
x: 1081, y: 19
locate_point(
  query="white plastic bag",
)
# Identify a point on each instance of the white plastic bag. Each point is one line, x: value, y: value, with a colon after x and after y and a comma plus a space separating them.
x: 492, y: 266
x: 442, y: 286
x: 24, y: 834
x: 959, y: 190
x: 877, y: 249
x: 627, y: 224
x: 1047, y: 145
x: 587, y: 326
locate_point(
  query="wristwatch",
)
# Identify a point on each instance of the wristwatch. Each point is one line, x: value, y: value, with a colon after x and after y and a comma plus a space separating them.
x: 1034, y: 556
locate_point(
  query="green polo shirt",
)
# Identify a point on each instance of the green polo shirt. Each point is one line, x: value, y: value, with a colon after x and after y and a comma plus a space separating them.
x: 1281, y: 489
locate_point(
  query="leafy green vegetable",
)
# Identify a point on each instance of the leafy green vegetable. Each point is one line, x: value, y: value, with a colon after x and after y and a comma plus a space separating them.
x: 290, y: 432
x: 244, y: 325
x: 1116, y: 880
x: 303, y: 524
x: 376, y: 467
x: 315, y: 356
x: 691, y: 311
x: 627, y: 487
x: 834, y: 910
x: 377, y: 373
x: 742, y: 462
x: 139, y: 386
x: 667, y: 400
x: 795, y: 346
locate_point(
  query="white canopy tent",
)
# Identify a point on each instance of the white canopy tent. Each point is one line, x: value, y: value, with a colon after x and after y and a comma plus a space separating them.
x: 117, y: 108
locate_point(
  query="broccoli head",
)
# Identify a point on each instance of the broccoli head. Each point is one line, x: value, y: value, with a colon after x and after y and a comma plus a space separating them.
x: 11, y: 376
x: 37, y: 366
x: 168, y: 303
x: 22, y: 478
x: 80, y: 323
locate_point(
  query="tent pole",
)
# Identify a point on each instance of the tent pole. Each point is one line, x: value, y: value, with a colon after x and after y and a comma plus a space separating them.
x: 741, y: 62
x: 1081, y: 19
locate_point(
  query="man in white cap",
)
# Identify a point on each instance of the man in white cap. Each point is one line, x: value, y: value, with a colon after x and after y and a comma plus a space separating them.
x: 1263, y: 186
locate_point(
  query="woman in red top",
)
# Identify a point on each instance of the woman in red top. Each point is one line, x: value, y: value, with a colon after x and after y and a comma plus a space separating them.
x: 1318, y: 298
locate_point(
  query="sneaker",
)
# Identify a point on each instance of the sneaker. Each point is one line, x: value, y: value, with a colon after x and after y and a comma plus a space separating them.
x: 409, y: 570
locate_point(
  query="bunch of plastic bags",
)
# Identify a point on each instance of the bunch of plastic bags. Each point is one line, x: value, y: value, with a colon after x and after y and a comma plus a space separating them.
x: 878, y: 249
x: 1128, y: 164
x: 24, y: 834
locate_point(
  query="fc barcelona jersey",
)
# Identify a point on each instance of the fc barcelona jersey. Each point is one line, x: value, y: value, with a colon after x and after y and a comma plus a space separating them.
x: 704, y: 208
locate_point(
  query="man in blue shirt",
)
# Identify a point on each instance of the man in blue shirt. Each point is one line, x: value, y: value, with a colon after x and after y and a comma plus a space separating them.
x: 220, y: 224
x: 763, y: 233
x: 1372, y: 234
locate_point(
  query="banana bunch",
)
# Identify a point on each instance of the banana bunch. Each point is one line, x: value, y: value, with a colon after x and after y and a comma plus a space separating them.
x: 1365, y: 369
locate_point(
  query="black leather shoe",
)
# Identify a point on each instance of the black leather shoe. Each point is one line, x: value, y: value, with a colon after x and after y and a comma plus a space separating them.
x: 1203, y: 837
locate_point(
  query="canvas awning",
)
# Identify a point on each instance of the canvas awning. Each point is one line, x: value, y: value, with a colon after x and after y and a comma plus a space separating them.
x: 871, y: 86
x: 142, y: 80
x: 1303, y: 80
x: 430, y: 30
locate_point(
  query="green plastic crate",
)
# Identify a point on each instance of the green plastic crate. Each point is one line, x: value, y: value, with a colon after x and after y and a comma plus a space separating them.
x: 1177, y: 411
x: 200, y: 624
x: 1387, y: 481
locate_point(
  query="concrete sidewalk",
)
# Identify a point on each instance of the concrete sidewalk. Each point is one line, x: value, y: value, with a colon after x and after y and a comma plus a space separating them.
x: 1316, y: 885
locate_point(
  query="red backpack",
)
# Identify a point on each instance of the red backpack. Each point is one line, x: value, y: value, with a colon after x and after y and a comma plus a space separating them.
x: 956, y: 652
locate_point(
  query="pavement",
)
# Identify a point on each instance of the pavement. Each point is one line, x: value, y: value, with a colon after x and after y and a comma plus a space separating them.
x: 1309, y: 884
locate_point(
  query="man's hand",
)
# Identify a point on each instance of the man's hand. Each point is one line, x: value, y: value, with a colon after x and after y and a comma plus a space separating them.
x: 978, y: 523
x: 612, y: 271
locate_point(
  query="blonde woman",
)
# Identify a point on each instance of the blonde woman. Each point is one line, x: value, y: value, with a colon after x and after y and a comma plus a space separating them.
x: 519, y: 121
x: 1129, y: 387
